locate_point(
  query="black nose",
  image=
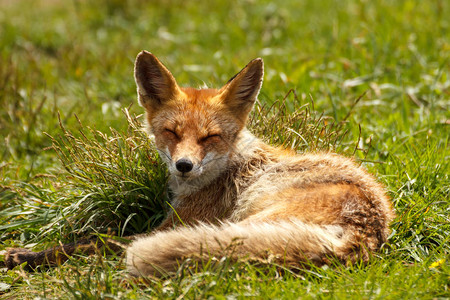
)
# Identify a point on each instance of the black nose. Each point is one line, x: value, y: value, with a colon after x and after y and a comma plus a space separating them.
x: 184, y: 165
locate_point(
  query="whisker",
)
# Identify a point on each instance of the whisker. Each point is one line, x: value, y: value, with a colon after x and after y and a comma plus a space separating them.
x: 164, y: 152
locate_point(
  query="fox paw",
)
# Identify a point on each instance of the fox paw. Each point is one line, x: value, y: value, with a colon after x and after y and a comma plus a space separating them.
x: 17, y: 256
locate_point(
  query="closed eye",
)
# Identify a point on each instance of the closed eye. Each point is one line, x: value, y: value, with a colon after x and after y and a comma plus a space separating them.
x: 211, y: 136
x: 169, y: 131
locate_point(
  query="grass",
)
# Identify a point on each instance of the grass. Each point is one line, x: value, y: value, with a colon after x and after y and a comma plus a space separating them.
x: 369, y: 79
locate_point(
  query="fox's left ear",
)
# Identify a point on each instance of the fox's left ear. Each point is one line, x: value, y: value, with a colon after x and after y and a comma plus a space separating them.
x: 240, y: 93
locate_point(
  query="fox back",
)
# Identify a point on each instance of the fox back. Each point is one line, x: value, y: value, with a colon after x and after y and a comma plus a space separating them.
x: 230, y: 186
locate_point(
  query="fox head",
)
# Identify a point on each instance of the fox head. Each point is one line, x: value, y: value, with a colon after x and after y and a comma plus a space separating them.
x: 195, y: 130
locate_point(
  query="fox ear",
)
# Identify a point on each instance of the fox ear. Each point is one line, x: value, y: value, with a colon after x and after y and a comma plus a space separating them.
x: 155, y: 83
x: 240, y: 93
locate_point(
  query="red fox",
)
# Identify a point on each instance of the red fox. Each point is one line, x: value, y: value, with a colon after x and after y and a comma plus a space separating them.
x: 230, y: 188
x: 229, y: 185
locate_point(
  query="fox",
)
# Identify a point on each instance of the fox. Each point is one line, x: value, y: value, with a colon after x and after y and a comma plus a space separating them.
x: 230, y: 189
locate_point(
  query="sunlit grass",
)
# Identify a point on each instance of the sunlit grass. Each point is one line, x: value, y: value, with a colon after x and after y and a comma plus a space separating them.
x: 369, y: 79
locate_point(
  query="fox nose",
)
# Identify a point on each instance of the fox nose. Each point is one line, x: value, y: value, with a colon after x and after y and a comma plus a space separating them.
x: 184, y: 165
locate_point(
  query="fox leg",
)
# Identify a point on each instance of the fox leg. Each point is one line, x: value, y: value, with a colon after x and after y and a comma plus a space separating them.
x: 58, y: 255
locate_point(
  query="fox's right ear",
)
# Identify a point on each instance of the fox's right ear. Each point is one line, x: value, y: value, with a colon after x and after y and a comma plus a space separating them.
x: 155, y: 83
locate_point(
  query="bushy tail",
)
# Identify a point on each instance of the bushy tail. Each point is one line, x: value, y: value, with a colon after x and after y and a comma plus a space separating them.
x: 289, y: 242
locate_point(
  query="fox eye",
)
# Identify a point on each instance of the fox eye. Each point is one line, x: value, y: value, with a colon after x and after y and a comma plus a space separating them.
x: 210, y: 136
x: 172, y: 132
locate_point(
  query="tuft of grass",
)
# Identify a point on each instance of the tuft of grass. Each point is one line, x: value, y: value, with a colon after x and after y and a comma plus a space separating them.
x: 120, y: 179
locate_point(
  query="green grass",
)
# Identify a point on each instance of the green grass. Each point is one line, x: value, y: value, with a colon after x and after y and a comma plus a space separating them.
x: 371, y: 79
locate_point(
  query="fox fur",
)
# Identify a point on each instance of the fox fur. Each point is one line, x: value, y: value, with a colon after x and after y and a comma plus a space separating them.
x: 233, y: 190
